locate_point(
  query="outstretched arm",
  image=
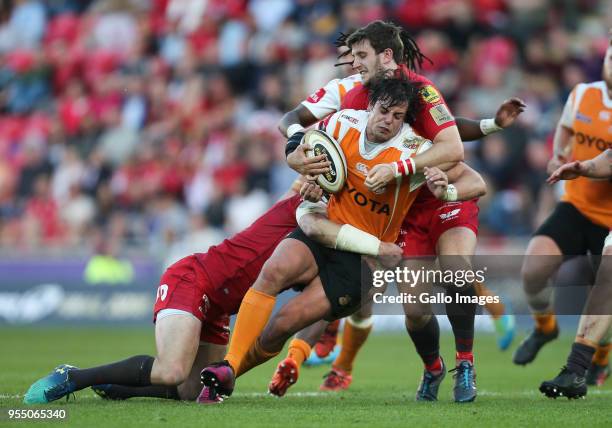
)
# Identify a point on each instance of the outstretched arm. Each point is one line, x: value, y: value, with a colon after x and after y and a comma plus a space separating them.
x: 505, y: 116
x: 300, y: 116
x: 598, y: 167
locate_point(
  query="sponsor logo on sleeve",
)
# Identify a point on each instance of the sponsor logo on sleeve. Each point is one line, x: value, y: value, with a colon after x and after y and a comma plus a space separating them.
x: 362, y: 168
x: 317, y: 96
x: 440, y: 114
x: 430, y: 94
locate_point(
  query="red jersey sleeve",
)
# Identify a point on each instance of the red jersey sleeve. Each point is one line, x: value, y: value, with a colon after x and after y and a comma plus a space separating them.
x: 435, y: 114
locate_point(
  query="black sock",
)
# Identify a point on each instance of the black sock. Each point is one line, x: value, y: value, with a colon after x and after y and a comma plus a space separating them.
x: 427, y: 341
x: 580, y: 358
x: 135, y: 371
x: 461, y: 317
x: 120, y: 392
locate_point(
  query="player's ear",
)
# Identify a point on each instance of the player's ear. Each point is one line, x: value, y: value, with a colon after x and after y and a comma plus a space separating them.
x: 387, y: 56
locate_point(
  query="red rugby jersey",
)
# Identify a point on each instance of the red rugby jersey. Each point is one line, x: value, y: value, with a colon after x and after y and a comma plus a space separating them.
x: 233, y: 265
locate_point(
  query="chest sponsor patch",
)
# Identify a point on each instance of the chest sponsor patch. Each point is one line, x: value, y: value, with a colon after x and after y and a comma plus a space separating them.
x: 583, y: 118
x: 604, y: 116
x: 440, y: 114
x: 350, y: 119
x: 430, y: 94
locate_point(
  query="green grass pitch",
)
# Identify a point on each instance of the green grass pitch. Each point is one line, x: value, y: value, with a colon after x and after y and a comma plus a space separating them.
x: 385, y: 379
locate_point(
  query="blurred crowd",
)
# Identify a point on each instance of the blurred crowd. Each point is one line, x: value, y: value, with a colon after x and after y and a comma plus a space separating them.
x: 152, y: 124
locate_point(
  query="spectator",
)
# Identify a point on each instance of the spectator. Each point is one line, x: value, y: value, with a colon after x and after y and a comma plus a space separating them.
x: 106, y: 267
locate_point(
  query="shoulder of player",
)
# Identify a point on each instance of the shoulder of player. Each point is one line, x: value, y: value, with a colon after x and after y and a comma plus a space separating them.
x: 349, y: 82
x: 581, y: 88
x: 406, y: 133
x: 419, y: 78
x: 355, y: 91
x: 429, y: 92
x: 354, y: 79
x: 407, y: 141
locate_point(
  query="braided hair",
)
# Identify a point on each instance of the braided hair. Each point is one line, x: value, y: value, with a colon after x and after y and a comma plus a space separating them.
x: 413, y: 57
x: 341, y: 42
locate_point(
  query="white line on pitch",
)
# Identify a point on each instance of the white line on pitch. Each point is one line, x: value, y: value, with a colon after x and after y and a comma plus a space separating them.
x: 291, y: 394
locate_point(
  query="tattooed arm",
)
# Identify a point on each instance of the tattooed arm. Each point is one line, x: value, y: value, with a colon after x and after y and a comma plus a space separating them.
x: 598, y: 167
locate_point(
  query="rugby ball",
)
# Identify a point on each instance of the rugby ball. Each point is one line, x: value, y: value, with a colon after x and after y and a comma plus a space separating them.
x: 420, y: 145
x: 322, y: 144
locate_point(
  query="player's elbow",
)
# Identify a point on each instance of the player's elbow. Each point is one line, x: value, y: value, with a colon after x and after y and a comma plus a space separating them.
x: 287, y: 120
x: 283, y: 123
x: 480, y: 187
x: 456, y: 153
x: 451, y: 144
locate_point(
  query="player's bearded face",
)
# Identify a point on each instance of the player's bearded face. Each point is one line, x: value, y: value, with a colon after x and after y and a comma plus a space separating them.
x: 385, y: 122
x: 365, y: 60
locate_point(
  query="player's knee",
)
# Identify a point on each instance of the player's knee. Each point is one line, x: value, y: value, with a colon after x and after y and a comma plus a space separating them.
x: 416, y: 311
x: 173, y: 374
x: 533, y: 279
x: 455, y: 263
x: 364, y: 312
x: 417, y: 322
x: 274, y: 275
x: 360, y: 317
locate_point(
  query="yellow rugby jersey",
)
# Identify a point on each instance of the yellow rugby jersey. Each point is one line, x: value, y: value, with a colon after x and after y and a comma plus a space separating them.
x: 380, y: 214
x: 328, y: 99
x: 588, y: 112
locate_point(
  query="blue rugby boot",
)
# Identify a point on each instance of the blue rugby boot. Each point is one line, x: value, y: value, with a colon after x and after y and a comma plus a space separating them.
x: 430, y: 383
x: 314, y: 360
x: 51, y: 387
x: 465, y: 382
x: 505, y: 330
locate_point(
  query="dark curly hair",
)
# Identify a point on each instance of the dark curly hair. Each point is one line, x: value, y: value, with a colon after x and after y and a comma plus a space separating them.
x: 391, y: 90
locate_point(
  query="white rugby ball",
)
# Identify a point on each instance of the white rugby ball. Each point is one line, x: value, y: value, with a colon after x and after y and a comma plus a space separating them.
x: 322, y: 144
x: 422, y: 145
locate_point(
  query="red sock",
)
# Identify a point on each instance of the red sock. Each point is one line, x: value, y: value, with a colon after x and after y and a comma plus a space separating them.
x: 465, y: 356
x: 435, y: 366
